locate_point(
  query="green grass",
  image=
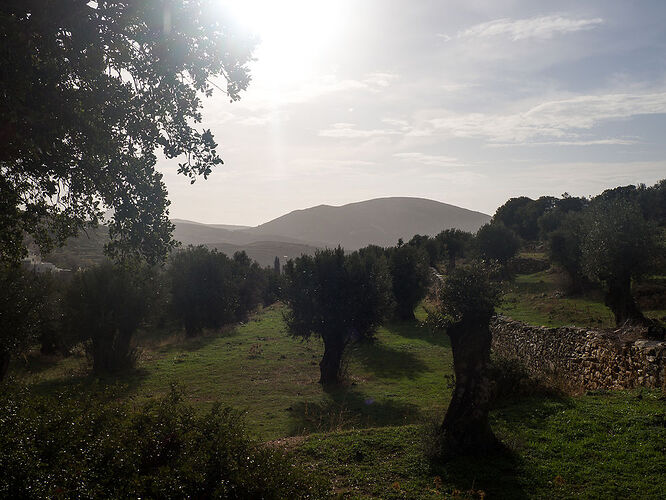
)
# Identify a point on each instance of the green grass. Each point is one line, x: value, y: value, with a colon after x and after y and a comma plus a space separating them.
x: 597, y: 446
x: 259, y: 369
x: 368, y: 436
x: 538, y: 299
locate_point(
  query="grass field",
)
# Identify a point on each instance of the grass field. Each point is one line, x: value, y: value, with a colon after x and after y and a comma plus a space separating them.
x: 257, y: 367
x: 537, y: 299
x: 596, y: 446
x: 369, y: 437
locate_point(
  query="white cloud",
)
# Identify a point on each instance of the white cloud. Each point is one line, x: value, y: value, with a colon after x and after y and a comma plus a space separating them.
x: 270, y: 95
x: 558, y: 119
x: 349, y: 131
x: 542, y: 27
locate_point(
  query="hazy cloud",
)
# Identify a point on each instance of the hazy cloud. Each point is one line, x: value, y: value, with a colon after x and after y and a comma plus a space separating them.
x: 349, y: 131
x: 542, y: 27
x: 552, y: 119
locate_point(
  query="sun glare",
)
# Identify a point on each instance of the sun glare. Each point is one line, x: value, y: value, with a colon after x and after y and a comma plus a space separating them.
x: 293, y: 35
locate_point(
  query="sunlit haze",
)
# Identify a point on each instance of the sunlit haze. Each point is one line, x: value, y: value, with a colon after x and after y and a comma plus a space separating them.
x: 465, y: 102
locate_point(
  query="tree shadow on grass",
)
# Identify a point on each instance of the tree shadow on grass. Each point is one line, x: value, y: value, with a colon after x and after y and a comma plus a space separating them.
x: 386, y: 362
x: 497, y: 475
x: 418, y: 330
x: 344, y: 409
x: 207, y: 337
x: 89, y: 385
x: 34, y: 363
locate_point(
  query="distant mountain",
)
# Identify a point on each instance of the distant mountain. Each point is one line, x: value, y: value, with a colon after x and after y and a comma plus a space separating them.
x: 381, y: 221
x: 230, y: 227
x: 196, y: 233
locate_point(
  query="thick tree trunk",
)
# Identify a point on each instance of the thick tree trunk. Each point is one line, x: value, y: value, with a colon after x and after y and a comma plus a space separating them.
x: 329, y: 366
x: 4, y: 364
x: 466, y: 429
x: 49, y: 344
x: 405, y: 313
x: 621, y: 302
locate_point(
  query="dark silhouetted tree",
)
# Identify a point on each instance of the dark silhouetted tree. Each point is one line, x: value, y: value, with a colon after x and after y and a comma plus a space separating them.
x: 204, y: 293
x: 106, y: 304
x: 433, y: 247
x: 455, y: 244
x: 338, y: 298
x: 522, y: 214
x: 90, y: 90
x: 564, y: 249
x: 619, y: 245
x: 250, y: 281
x: 497, y: 242
x: 468, y: 298
x: 410, y: 276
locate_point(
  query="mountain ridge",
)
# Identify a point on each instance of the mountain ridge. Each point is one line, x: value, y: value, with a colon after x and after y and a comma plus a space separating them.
x: 379, y: 221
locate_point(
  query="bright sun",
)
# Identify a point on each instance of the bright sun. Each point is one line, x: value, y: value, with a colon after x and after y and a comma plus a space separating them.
x: 293, y: 34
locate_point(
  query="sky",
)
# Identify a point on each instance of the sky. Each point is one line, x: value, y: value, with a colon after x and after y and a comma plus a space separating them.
x: 465, y: 102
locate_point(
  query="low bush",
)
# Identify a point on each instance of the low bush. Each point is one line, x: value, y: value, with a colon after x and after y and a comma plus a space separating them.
x: 61, y: 447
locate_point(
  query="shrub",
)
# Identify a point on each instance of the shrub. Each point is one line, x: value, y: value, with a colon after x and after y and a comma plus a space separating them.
x: 62, y: 447
x: 19, y: 321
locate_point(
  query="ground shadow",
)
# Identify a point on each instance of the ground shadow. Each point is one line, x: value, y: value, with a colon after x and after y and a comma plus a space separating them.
x: 347, y: 409
x: 89, y: 385
x: 533, y: 410
x: 34, y: 363
x: 497, y: 475
x: 207, y: 337
x: 415, y: 329
x: 386, y: 362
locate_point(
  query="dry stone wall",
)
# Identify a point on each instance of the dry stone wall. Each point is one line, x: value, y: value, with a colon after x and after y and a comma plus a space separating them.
x: 578, y: 359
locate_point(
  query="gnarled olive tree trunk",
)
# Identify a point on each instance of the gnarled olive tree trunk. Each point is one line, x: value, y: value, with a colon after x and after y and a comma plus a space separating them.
x: 330, y: 364
x: 4, y: 363
x: 466, y: 429
x: 621, y: 302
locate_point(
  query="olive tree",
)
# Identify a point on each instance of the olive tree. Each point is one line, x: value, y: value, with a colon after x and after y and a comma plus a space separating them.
x: 468, y: 298
x: 338, y: 298
x: 106, y: 305
x: 203, y: 291
x: 455, y: 243
x: 619, y: 245
x: 410, y: 277
x: 497, y: 242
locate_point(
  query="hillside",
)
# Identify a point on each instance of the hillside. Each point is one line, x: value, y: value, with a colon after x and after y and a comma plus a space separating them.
x: 381, y: 221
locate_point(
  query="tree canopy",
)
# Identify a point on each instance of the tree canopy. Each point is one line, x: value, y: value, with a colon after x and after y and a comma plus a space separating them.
x: 497, y: 242
x: 90, y: 91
